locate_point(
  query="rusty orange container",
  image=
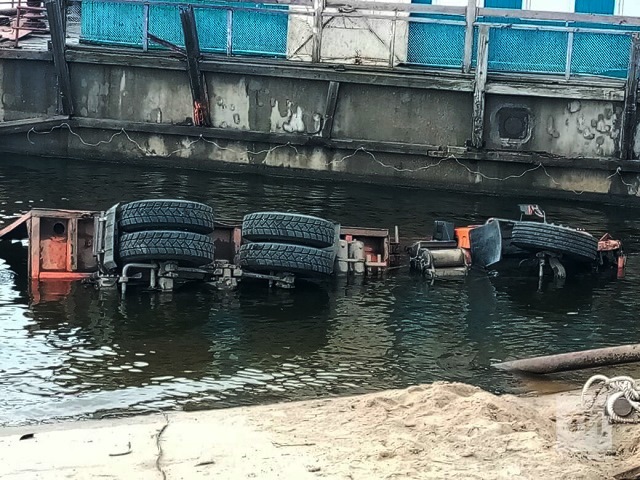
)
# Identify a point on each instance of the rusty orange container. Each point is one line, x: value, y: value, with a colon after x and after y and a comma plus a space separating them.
x: 462, y: 236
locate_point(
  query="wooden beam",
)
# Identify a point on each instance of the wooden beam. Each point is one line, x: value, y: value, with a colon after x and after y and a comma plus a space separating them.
x: 477, y: 133
x: 316, y: 34
x: 468, y: 35
x: 558, y: 16
x: 330, y: 109
x: 196, y: 79
x: 630, y: 112
x: 56, y: 26
x: 21, y: 126
x: 497, y: 86
x: 399, y: 7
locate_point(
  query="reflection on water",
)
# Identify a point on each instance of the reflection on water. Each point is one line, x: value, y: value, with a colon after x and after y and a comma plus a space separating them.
x: 84, y: 352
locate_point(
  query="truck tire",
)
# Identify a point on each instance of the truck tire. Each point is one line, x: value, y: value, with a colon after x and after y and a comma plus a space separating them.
x: 282, y: 257
x: 166, y: 215
x: 535, y: 236
x: 186, y: 248
x: 289, y: 228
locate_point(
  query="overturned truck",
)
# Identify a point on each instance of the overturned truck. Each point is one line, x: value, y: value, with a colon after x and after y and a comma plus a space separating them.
x: 163, y: 243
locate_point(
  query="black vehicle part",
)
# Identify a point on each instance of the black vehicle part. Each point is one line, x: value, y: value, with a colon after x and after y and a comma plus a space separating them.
x: 282, y: 257
x: 536, y: 236
x: 186, y: 248
x: 166, y: 215
x: 289, y: 228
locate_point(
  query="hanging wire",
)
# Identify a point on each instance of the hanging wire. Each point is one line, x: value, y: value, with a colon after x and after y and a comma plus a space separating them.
x: 189, y: 145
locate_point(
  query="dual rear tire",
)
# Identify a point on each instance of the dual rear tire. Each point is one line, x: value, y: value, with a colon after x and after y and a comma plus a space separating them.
x: 166, y: 230
x: 288, y: 242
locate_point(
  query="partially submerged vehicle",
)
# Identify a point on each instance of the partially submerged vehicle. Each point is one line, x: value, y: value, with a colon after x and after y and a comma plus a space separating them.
x: 161, y: 244
x: 530, y: 242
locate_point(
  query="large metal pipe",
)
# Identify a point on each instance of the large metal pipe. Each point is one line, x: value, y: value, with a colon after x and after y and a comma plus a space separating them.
x: 564, y: 362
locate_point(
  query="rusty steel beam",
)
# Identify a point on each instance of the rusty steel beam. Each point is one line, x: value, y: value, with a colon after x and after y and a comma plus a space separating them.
x: 565, y: 362
x: 58, y: 44
x: 201, y: 116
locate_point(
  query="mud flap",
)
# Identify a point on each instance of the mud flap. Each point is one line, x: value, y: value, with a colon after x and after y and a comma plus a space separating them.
x: 486, y: 244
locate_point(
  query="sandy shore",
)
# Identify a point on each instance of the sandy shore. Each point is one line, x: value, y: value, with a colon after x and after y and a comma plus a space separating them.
x: 442, y: 430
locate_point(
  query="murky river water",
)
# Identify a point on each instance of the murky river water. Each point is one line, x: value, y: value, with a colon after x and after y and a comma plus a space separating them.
x: 89, y: 353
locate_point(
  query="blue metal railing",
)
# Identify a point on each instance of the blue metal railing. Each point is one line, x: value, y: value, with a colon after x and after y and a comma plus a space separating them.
x: 233, y: 28
x: 434, y: 40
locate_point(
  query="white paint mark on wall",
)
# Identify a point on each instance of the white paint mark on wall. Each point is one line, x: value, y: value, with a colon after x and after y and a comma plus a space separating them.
x: 229, y: 104
x: 123, y: 90
x: 295, y: 124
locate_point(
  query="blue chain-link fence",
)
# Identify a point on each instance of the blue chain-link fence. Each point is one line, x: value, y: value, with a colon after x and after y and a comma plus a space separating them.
x: 525, y: 46
x: 243, y: 28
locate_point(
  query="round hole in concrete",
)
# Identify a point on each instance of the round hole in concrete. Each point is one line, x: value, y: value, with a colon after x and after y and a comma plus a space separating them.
x: 514, y: 126
x: 59, y: 228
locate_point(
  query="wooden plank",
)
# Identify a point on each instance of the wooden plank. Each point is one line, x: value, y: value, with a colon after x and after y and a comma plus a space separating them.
x: 477, y: 132
x: 579, y: 92
x: 20, y: 126
x: 34, y: 247
x: 72, y: 244
x: 56, y: 25
x: 201, y: 116
x: 408, y: 77
x: 399, y: 7
x: 14, y: 225
x: 316, y: 33
x: 630, y: 111
x: 330, y: 109
x: 468, y: 35
x: 558, y: 16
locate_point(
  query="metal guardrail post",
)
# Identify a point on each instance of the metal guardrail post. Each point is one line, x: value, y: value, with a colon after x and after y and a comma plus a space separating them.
x: 468, y: 36
x: 630, y: 112
x: 145, y: 27
x: 316, y: 47
x: 229, y: 32
x: 392, y: 46
x: 477, y: 132
x: 567, y: 65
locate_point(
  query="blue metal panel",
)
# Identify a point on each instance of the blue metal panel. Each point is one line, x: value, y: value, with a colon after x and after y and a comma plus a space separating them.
x: 257, y: 33
x: 254, y: 32
x: 112, y: 23
x: 601, y: 54
x: 534, y: 51
x: 435, y: 45
x: 212, y: 29
x: 603, y: 7
x: 515, y: 4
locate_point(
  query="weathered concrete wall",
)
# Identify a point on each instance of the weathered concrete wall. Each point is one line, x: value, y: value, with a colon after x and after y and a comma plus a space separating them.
x: 26, y: 91
x: 352, y: 40
x: 493, y: 177
x: 129, y: 93
x: 266, y: 104
x: 566, y: 127
x: 403, y: 115
x: 386, y: 127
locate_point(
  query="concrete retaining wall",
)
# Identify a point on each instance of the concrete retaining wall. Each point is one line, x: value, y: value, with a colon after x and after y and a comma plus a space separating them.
x: 399, y: 128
